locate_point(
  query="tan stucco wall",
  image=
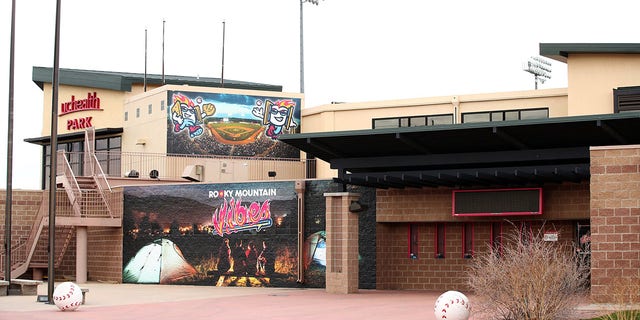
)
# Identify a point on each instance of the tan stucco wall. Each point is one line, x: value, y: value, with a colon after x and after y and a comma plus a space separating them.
x: 359, y: 116
x: 145, y: 131
x: 111, y: 105
x: 592, y: 78
x: 109, y: 115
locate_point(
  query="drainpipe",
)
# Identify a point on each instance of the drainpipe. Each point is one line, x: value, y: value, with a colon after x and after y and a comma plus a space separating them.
x: 300, y: 185
x: 456, y: 104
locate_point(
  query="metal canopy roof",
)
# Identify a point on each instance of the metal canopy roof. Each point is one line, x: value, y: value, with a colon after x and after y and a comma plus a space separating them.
x: 122, y: 81
x: 525, y: 152
x: 561, y: 51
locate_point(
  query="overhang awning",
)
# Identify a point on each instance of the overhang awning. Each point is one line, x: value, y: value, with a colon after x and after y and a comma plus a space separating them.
x: 524, y: 152
x: 79, y: 135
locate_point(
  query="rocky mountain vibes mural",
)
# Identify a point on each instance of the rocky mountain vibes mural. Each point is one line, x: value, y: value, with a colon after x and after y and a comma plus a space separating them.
x: 236, y: 234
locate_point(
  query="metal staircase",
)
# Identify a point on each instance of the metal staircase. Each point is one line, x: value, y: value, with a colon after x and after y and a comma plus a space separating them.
x: 80, y: 201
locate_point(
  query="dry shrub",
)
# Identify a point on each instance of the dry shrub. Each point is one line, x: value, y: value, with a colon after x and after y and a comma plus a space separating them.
x: 536, y: 279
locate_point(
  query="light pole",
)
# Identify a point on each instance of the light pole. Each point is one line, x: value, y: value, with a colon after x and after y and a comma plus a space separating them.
x: 315, y: 2
x: 8, y: 206
x: 539, y: 68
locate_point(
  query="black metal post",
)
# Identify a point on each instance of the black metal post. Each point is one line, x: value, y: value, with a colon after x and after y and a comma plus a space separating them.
x: 8, y: 205
x: 53, y: 158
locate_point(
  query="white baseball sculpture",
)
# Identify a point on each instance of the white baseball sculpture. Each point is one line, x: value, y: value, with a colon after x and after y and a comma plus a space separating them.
x: 452, y: 305
x: 67, y: 296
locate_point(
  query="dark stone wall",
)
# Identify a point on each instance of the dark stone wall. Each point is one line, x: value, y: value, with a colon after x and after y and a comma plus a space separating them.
x: 315, y: 211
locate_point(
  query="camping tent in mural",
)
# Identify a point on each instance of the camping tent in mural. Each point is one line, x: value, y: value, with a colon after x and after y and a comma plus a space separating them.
x: 160, y: 261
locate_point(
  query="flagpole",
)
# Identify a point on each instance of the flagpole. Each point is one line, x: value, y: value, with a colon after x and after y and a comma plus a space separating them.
x: 163, y: 23
x: 145, y: 59
x: 222, y: 73
x: 53, y: 158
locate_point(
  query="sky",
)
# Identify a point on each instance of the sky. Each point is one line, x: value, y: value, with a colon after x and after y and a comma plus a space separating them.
x: 354, y: 50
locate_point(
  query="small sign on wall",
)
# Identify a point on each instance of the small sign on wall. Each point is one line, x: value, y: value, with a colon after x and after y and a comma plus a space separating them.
x: 550, y: 236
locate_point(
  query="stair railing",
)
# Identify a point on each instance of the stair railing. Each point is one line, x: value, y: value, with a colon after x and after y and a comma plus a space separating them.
x: 71, y: 186
x: 93, y: 168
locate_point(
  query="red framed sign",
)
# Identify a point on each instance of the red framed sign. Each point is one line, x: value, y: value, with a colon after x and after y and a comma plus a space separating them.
x: 497, y: 202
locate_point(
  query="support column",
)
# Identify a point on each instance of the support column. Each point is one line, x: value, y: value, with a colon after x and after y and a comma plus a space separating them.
x: 81, y: 254
x: 342, y: 243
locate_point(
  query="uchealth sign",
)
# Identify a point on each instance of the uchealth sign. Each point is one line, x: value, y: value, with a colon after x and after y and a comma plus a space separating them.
x: 90, y: 103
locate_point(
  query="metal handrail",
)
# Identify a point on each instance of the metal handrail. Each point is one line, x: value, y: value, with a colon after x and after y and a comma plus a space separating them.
x: 101, y: 181
x: 72, y: 188
x: 170, y: 166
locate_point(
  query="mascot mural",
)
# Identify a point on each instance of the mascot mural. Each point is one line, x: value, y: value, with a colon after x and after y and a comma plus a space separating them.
x: 231, y: 124
x: 187, y: 115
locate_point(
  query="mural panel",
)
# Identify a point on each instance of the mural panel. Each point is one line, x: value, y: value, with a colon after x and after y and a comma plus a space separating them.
x: 242, y: 234
x: 231, y: 124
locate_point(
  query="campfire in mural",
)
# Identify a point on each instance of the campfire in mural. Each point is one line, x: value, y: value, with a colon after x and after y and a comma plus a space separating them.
x: 250, y: 264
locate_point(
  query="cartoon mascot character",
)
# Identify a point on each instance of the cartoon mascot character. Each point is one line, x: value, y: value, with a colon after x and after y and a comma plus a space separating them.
x: 186, y: 115
x: 276, y: 115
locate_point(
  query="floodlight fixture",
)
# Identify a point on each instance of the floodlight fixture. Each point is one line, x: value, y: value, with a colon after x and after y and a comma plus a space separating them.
x: 540, y: 68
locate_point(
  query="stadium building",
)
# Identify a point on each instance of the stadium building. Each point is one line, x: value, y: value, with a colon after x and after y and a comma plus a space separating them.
x: 399, y: 194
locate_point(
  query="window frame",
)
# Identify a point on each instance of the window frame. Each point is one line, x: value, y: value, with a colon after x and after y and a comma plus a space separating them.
x: 501, y: 115
x: 496, y: 240
x: 413, y: 241
x: 467, y: 240
x: 406, y: 121
x: 440, y: 240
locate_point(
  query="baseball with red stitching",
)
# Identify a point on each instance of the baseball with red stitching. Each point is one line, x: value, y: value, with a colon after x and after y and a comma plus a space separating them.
x: 67, y: 296
x: 452, y: 305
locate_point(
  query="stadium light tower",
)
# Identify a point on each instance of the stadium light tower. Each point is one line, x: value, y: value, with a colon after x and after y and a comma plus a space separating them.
x: 540, y: 68
x: 314, y: 2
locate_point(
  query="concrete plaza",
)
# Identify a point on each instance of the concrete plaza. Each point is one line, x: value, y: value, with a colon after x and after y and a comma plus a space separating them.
x: 135, y: 301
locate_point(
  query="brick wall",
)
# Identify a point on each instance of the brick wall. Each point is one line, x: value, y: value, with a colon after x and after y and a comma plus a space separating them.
x: 104, y: 254
x: 615, y: 219
x: 396, y: 270
x: 342, y: 273
x: 564, y: 204
x: 560, y: 201
x: 25, y: 205
x: 105, y: 244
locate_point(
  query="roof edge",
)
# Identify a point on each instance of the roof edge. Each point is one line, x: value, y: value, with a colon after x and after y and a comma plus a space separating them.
x: 560, y: 51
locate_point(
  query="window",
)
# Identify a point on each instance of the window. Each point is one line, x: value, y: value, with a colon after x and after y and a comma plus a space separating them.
x: 505, y: 115
x: 137, y: 112
x: 413, y: 241
x: 440, y: 240
x: 161, y: 105
x: 386, y: 123
x: 626, y: 99
x: 534, y: 114
x: 74, y: 154
x: 496, y: 237
x: 108, y: 153
x: 126, y: 116
x: 150, y: 108
x: 467, y: 240
x: 413, y: 121
x: 476, y: 117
